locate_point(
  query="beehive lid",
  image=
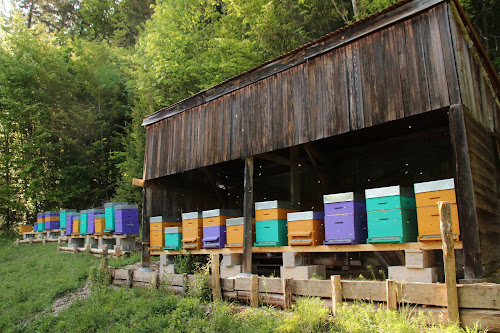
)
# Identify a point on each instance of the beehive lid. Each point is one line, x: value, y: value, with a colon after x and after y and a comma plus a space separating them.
x: 274, y: 204
x: 83, y: 211
x: 99, y: 216
x: 220, y: 212
x: 436, y: 185
x: 121, y: 207
x: 191, y: 215
x: 343, y: 197
x: 389, y: 191
x: 309, y: 215
x: 39, y: 215
x: 157, y: 219
x: 235, y: 221
x: 51, y: 213
x: 96, y: 211
x: 112, y: 204
x: 72, y: 214
x: 67, y: 210
x: 173, y: 230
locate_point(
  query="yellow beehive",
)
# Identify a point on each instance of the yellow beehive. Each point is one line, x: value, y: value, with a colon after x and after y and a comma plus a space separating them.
x: 273, y: 210
x: 234, y: 232
x: 76, y: 227
x: 306, y: 228
x: 25, y: 228
x: 157, y: 225
x: 99, y: 225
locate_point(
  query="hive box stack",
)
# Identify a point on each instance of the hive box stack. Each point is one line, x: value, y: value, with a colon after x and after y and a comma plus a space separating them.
x: 84, y: 218
x: 69, y: 222
x: 127, y: 220
x: 99, y: 224
x: 214, y: 227
x: 234, y: 232
x: 91, y: 220
x: 345, y: 218
x: 306, y: 228
x: 192, y: 230
x: 427, y: 196
x: 391, y: 215
x: 51, y: 220
x: 40, y: 222
x: 271, y: 223
x: 173, y: 238
x: 109, y: 213
x: 63, y: 217
x: 157, y: 225
x: 25, y: 228
x: 76, y: 225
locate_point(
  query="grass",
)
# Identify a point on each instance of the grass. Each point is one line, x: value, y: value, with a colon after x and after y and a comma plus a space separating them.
x: 34, y: 275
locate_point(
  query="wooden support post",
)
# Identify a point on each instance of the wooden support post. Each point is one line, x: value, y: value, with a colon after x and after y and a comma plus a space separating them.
x: 294, y: 175
x: 336, y: 293
x: 130, y: 278
x: 44, y: 240
x: 254, y: 291
x: 248, y: 209
x: 287, y: 292
x: 146, y: 211
x: 450, y: 274
x: 58, y: 248
x: 465, y: 194
x: 88, y: 248
x: 392, y: 295
x: 105, y: 254
x: 118, y: 252
x: 216, y: 289
x: 75, y: 248
x: 184, y: 284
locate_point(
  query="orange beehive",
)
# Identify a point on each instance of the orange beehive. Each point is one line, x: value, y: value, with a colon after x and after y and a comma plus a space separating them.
x: 25, y: 228
x: 218, y: 217
x: 192, y: 231
x: 306, y: 228
x: 427, y: 195
x: 100, y: 224
x: 76, y: 227
x: 234, y: 232
x: 273, y: 210
x: 192, y: 223
x: 157, y: 225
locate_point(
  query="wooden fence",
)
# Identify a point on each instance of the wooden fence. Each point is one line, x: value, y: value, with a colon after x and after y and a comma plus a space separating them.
x: 477, y: 302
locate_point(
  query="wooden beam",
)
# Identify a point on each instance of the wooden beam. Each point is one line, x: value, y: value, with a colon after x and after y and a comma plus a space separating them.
x: 465, y: 194
x: 450, y: 274
x: 248, y: 209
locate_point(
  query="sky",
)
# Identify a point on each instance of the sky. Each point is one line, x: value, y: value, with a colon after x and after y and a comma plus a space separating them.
x: 5, y: 7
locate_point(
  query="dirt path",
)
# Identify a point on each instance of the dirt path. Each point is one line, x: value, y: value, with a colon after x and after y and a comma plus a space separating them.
x: 65, y: 301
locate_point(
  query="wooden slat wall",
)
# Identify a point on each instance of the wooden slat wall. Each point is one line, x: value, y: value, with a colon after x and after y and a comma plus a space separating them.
x: 483, y: 159
x: 399, y: 71
x: 475, y: 86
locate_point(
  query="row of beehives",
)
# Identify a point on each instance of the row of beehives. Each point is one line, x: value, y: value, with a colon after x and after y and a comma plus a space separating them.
x: 116, y: 217
x: 392, y: 214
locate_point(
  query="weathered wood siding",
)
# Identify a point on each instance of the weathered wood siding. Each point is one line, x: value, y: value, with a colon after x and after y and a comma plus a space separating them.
x: 476, y: 89
x: 401, y: 70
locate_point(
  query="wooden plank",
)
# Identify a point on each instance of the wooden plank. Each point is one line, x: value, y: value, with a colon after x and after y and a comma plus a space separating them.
x: 355, y: 92
x: 450, y: 273
x: 227, y: 284
x: 423, y: 293
x: 142, y: 276
x: 317, y: 288
x: 364, y: 290
x: 485, y: 319
x: 120, y: 274
x: 479, y: 296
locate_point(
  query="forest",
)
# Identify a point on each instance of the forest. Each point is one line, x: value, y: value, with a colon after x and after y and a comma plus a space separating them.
x: 78, y: 76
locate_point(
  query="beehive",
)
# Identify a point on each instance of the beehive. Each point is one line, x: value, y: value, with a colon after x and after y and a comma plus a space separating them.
x: 109, y: 214
x: 35, y: 227
x: 271, y: 223
x: 91, y: 213
x: 345, y: 218
x: 427, y: 195
x: 192, y: 230
x: 63, y: 217
x: 218, y: 217
x: 83, y: 222
x: 70, y: 216
x: 391, y: 215
x: 99, y: 224
x: 273, y: 210
x: 51, y: 220
x: 173, y: 238
x: 214, y: 237
x: 126, y: 220
x: 76, y: 226
x: 157, y: 225
x: 25, y: 228
x: 234, y: 232
x: 305, y: 228
x: 40, y: 222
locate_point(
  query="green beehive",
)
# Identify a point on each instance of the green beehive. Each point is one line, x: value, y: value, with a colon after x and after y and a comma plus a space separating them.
x: 63, y: 215
x: 173, y: 238
x: 109, y: 215
x: 41, y: 226
x: 83, y: 222
x: 271, y: 233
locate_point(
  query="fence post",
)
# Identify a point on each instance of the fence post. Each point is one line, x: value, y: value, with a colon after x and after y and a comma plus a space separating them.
x: 254, y: 291
x: 184, y: 284
x: 287, y: 292
x: 217, y: 296
x: 130, y: 278
x: 75, y: 248
x: 392, y: 295
x: 450, y: 274
x: 336, y: 293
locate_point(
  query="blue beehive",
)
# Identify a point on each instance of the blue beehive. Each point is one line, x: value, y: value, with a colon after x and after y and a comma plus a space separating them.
x: 109, y: 215
x: 83, y: 222
x: 391, y: 215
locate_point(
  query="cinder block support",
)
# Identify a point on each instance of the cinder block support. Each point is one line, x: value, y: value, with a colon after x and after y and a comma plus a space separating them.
x: 294, y: 259
x: 420, y: 258
x: 303, y: 272
x: 126, y: 244
x: 167, y: 264
x: 92, y: 242
x: 110, y: 242
x: 79, y: 242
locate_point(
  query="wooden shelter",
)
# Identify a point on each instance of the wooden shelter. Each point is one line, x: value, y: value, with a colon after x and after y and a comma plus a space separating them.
x: 403, y: 96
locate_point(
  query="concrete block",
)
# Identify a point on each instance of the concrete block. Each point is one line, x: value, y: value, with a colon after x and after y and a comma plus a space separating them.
x: 302, y: 272
x: 292, y: 259
x: 405, y: 274
x: 231, y: 259
x: 127, y: 244
x: 167, y: 269
x: 420, y: 258
x: 229, y: 271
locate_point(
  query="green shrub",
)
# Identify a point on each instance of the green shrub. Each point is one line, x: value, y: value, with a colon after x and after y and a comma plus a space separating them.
x: 309, y: 315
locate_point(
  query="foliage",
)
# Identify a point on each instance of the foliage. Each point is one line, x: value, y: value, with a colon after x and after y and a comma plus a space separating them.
x: 199, y: 286
x: 185, y: 263
x: 309, y: 315
x: 100, y: 276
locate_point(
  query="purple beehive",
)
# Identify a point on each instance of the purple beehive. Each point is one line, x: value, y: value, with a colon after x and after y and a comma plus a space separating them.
x: 345, y: 218
x: 90, y: 220
x: 35, y: 226
x: 214, y: 237
x: 69, y: 222
x: 51, y: 220
x: 126, y: 220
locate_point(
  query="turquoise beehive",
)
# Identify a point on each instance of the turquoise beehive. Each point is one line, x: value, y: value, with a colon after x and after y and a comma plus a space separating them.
x: 109, y: 215
x: 83, y: 222
x: 271, y: 233
x: 63, y: 216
